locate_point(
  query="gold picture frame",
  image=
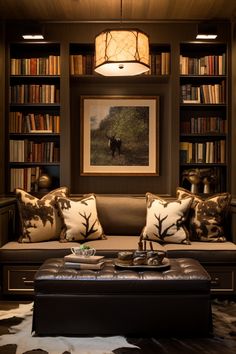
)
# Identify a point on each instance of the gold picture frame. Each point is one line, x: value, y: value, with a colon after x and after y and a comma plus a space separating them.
x: 120, y: 135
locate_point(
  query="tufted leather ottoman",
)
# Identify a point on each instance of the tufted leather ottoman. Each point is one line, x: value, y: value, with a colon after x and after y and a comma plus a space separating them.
x: 113, y: 301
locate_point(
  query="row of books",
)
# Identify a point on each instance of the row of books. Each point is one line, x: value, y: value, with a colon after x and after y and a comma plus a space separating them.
x: 33, y: 123
x: 31, y: 151
x: 205, y: 152
x: 203, y: 125
x: 25, y: 178
x: 209, y: 94
x: 36, y: 66
x: 34, y: 94
x: 84, y: 64
x: 160, y: 64
x: 207, y: 65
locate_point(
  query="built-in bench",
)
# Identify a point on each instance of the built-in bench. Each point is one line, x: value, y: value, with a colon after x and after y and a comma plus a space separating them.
x: 122, y: 218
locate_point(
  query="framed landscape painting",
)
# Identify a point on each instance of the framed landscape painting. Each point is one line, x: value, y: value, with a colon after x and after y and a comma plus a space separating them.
x: 119, y: 135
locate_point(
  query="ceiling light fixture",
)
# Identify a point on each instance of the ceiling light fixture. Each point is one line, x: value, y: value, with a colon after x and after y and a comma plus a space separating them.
x: 121, y: 52
x: 206, y: 31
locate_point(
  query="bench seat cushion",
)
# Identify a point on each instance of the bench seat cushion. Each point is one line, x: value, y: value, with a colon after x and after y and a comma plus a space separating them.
x: 32, y: 252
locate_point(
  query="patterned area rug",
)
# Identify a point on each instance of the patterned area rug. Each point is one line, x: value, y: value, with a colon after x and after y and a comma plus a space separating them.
x: 16, y: 338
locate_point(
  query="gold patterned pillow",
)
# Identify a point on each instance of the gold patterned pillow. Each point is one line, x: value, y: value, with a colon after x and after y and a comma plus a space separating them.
x: 165, y: 220
x: 40, y: 218
x: 207, y: 216
x: 80, y: 219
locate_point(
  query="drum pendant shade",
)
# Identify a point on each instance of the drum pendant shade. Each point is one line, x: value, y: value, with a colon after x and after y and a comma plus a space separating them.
x: 121, y: 52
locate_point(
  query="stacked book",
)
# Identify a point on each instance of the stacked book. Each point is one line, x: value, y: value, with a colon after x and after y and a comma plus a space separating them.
x: 84, y: 262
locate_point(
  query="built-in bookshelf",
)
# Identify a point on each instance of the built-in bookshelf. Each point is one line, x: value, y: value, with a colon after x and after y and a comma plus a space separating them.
x: 203, y: 114
x: 82, y: 59
x: 33, y: 117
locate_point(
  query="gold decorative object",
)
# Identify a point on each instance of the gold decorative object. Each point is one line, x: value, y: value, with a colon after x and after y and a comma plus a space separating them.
x: 44, y: 182
x: 196, y: 176
x: 208, y: 177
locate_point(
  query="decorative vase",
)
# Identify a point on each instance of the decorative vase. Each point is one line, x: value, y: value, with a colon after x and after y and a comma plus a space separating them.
x: 44, y: 182
x: 193, y: 176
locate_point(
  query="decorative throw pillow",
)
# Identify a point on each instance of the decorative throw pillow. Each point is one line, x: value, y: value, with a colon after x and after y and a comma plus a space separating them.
x: 165, y: 220
x: 80, y: 219
x: 207, y: 216
x: 40, y: 218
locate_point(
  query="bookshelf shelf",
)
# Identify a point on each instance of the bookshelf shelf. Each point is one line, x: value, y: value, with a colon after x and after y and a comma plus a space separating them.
x: 31, y: 104
x: 202, y: 77
x: 111, y: 79
x: 34, y: 77
x: 203, y: 104
x: 204, y: 164
x: 203, y: 135
x: 40, y: 105
x: 82, y: 60
x: 28, y: 164
x: 33, y: 118
x: 34, y: 135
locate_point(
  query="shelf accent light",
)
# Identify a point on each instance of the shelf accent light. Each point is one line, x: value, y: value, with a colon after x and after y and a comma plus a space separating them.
x: 33, y: 31
x: 206, y: 31
x: 32, y: 36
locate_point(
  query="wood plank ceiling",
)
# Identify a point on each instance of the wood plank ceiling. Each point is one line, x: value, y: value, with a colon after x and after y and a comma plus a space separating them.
x: 110, y: 10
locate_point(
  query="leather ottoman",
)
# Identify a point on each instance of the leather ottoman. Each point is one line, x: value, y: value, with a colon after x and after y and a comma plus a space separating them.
x: 115, y: 301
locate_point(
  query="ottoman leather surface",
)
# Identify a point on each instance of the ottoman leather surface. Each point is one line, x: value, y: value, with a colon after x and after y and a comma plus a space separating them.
x: 183, y: 275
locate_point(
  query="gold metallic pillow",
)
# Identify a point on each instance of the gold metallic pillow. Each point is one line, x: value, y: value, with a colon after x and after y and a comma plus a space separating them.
x: 207, y: 216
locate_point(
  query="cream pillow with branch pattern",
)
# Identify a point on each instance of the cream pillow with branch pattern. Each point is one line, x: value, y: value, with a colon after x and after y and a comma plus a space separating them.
x: 165, y: 220
x: 80, y: 219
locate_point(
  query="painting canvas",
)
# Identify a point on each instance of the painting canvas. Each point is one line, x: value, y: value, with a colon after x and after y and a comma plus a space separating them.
x: 119, y: 135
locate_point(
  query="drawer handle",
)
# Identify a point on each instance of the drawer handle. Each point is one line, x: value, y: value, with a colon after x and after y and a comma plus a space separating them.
x: 27, y: 282
x: 215, y: 281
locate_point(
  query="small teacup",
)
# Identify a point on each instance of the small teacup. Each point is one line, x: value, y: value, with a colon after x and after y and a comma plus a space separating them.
x: 86, y: 252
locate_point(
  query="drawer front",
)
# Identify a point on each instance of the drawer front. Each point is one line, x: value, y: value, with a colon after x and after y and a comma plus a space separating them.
x: 19, y: 279
x: 222, y: 280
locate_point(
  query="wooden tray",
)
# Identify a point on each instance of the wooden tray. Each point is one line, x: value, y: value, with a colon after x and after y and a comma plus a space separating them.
x: 165, y: 264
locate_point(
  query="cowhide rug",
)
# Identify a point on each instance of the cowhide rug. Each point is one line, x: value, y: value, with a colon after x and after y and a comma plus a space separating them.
x: 19, y: 324
x: 16, y: 338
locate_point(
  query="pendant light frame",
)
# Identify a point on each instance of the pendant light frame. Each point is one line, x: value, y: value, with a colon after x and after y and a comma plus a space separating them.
x: 122, y: 51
